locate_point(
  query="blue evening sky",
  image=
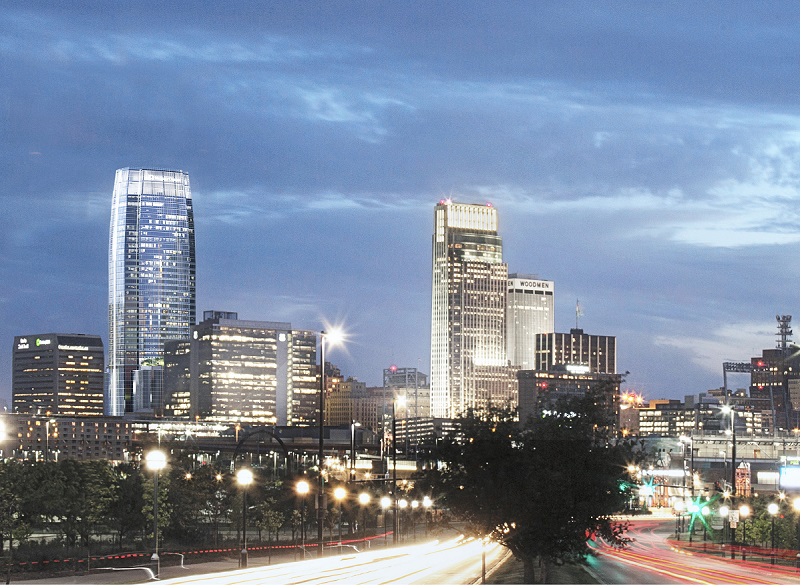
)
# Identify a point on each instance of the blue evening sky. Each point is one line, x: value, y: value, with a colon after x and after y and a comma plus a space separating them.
x: 643, y: 155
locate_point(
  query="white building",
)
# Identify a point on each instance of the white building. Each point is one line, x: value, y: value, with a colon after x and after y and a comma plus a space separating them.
x: 530, y: 311
x: 468, y: 360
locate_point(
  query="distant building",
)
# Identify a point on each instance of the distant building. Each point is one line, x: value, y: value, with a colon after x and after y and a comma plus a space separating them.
x: 41, y: 438
x: 469, y: 367
x: 577, y: 351
x: 58, y: 374
x: 243, y: 371
x: 151, y: 274
x: 529, y: 312
x: 775, y: 381
x: 411, y: 387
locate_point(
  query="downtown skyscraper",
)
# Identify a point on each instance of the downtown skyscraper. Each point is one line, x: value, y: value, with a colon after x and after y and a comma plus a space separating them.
x: 151, y: 274
x: 468, y: 361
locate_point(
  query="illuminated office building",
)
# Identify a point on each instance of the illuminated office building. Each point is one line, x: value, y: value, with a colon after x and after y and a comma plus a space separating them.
x: 244, y: 372
x: 151, y: 274
x: 530, y: 312
x: 58, y: 374
x: 468, y: 361
x: 577, y: 351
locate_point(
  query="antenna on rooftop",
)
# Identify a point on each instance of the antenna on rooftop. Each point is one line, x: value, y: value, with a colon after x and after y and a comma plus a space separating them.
x: 784, y: 330
x: 578, y: 312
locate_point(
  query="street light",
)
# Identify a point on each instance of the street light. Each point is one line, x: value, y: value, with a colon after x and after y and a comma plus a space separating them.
x: 426, y: 503
x: 244, y: 478
x: 773, y: 510
x: 397, y: 400
x: 340, y: 493
x: 364, y: 499
x: 403, y: 504
x: 724, y: 513
x: 355, y: 425
x: 302, y: 488
x: 385, y: 502
x: 413, y: 506
x: 334, y: 336
x: 684, y: 439
x: 156, y: 460
x: 745, y: 511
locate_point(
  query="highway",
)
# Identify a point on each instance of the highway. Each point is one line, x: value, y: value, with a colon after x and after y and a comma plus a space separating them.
x: 650, y: 560
x: 457, y: 561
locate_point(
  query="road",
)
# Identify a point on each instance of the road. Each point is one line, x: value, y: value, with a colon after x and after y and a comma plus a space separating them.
x: 650, y: 560
x: 448, y: 562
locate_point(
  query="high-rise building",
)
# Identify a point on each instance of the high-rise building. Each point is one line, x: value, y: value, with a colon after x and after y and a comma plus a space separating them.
x: 577, y: 351
x: 243, y: 372
x: 58, y: 374
x: 151, y: 274
x: 530, y: 312
x: 468, y: 361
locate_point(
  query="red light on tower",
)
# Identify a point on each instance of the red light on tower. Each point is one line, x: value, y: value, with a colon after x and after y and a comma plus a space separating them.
x: 393, y: 369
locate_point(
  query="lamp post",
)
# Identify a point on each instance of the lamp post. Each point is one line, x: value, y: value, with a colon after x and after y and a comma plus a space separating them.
x: 352, y: 455
x: 396, y: 400
x: 155, y: 461
x: 403, y: 504
x: 340, y: 493
x: 745, y: 511
x: 385, y: 502
x: 334, y: 336
x: 426, y: 503
x: 413, y: 506
x: 773, y: 510
x: 302, y: 488
x: 364, y: 499
x: 733, y: 411
x: 244, y: 478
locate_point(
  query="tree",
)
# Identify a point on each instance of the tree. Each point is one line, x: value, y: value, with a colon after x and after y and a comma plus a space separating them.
x: 126, y: 507
x: 541, y: 488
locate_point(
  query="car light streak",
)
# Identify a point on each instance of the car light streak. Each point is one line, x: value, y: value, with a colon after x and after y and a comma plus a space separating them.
x: 400, y: 565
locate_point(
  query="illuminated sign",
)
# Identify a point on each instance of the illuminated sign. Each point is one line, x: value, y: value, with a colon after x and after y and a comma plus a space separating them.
x: 530, y: 284
x: 40, y: 342
x: 73, y: 348
x: 578, y: 369
x: 23, y: 343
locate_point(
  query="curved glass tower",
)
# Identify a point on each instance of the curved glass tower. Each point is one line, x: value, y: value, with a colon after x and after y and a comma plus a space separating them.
x: 151, y: 274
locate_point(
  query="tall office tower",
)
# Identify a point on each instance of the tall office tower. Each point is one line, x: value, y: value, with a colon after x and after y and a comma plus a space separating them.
x: 58, y: 374
x: 151, y: 274
x: 411, y: 385
x: 243, y: 372
x: 468, y: 363
x: 530, y: 312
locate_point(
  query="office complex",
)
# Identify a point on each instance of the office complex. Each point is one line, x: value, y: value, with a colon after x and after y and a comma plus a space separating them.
x: 468, y: 362
x: 577, y: 351
x: 151, y: 274
x: 530, y: 311
x: 243, y: 371
x: 58, y: 374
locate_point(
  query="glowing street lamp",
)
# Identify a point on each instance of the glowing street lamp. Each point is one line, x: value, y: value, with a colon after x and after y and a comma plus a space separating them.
x: 244, y: 478
x: 156, y: 460
x: 339, y: 494
x: 398, y: 400
x: 426, y: 503
x: 353, y: 456
x: 385, y: 502
x: 745, y: 512
x: 773, y: 510
x: 363, y: 499
x: 335, y: 336
x: 302, y: 488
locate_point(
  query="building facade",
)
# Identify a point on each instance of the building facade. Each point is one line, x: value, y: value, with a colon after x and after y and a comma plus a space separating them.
x: 468, y: 360
x: 577, y: 351
x: 530, y: 311
x: 243, y: 371
x: 58, y: 374
x: 152, y: 274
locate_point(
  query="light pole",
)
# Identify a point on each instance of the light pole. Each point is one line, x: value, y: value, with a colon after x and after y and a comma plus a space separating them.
x: 426, y: 503
x: 155, y: 461
x: 773, y: 510
x: 302, y: 488
x: 733, y: 411
x: 745, y: 511
x: 413, y: 506
x: 364, y: 499
x: 244, y: 478
x: 396, y: 400
x: 352, y: 455
x: 334, y: 336
x: 385, y: 502
x: 340, y: 493
x: 724, y: 514
x: 403, y: 504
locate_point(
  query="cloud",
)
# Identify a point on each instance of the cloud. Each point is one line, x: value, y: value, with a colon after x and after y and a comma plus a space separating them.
x: 733, y: 342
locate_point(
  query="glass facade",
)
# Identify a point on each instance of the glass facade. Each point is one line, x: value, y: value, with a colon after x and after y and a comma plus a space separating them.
x: 151, y: 274
x: 468, y: 362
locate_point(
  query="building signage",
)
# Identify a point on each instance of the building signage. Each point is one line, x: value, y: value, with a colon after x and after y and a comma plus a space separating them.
x: 23, y: 343
x: 40, y: 342
x: 530, y: 284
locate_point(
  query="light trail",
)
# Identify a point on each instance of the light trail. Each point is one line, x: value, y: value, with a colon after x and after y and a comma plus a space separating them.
x: 457, y: 559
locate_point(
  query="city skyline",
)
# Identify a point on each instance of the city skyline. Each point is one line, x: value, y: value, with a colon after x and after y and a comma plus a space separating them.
x: 643, y: 159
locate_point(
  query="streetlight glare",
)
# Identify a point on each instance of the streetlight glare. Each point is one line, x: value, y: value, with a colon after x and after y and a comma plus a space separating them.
x: 245, y: 477
x: 335, y: 335
x: 364, y: 498
x: 385, y: 502
x: 155, y: 460
x: 339, y: 493
x: 773, y: 509
x: 302, y: 487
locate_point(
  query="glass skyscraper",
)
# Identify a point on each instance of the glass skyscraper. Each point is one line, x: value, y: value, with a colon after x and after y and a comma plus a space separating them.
x: 151, y: 274
x: 468, y: 362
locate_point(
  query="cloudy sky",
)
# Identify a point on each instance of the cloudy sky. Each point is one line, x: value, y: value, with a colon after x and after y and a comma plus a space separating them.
x: 643, y: 155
